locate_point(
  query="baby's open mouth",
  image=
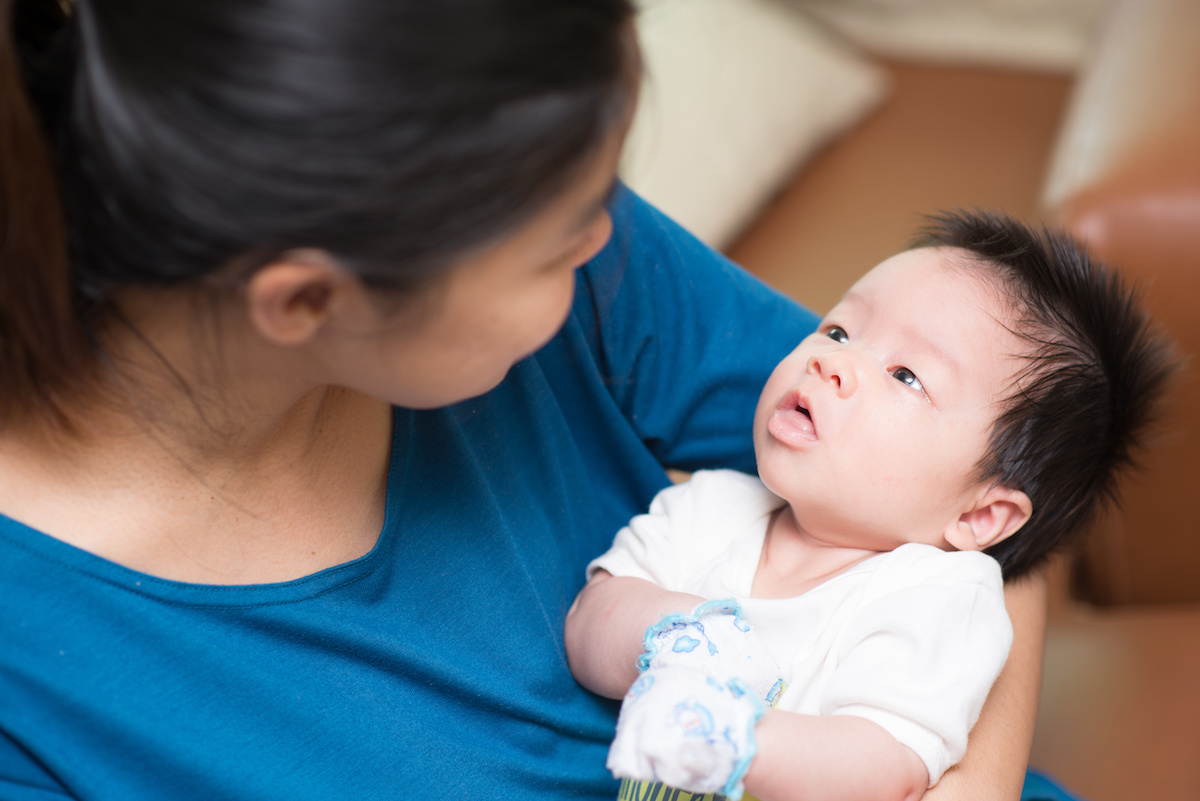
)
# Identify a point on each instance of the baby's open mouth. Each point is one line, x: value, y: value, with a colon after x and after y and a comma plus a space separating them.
x: 797, y: 404
x: 792, y: 422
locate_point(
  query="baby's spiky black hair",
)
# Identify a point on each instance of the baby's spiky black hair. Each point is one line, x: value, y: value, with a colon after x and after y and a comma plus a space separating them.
x: 1097, y: 369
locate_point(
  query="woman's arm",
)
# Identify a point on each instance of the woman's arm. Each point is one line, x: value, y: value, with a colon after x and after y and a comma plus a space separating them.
x: 605, y: 629
x: 998, y: 749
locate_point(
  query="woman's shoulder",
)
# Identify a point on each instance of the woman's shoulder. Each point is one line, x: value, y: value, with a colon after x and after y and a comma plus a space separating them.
x: 664, y: 271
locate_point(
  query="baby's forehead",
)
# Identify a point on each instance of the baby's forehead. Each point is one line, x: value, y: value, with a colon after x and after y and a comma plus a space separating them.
x: 931, y: 268
x: 945, y: 302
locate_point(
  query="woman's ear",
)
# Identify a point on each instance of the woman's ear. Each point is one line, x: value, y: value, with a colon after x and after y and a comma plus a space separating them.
x: 995, y: 516
x: 291, y: 298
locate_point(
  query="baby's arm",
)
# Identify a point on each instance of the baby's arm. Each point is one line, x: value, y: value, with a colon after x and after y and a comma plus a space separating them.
x: 994, y: 767
x: 917, y: 663
x: 626, y: 594
x: 606, y: 624
x: 800, y: 756
x: 997, y: 752
x: 821, y: 758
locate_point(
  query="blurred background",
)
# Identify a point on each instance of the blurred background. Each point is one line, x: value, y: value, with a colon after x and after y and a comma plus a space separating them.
x: 805, y: 138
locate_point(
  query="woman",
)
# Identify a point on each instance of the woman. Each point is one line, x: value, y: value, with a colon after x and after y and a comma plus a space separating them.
x: 299, y: 462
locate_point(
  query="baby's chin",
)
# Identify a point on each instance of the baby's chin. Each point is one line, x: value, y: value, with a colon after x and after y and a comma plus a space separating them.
x: 767, y: 475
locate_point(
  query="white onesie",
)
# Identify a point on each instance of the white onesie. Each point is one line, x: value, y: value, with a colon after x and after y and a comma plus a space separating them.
x: 911, y: 639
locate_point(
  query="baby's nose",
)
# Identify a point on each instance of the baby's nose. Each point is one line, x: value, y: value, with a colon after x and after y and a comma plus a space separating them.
x: 836, y: 368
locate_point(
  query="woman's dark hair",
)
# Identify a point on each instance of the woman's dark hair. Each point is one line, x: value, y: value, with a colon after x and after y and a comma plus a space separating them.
x: 1096, y: 371
x: 166, y: 140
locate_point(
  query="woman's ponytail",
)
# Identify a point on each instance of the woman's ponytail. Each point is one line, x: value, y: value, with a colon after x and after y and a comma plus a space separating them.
x: 44, y: 352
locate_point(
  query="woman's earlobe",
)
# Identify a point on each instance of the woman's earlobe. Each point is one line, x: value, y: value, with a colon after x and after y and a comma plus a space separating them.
x: 289, y: 300
x: 996, y: 515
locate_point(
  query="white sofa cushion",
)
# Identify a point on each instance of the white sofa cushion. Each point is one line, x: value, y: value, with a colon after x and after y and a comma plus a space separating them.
x: 1026, y: 34
x: 736, y: 94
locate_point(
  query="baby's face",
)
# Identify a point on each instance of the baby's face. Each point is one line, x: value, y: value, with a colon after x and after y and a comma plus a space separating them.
x: 871, y: 429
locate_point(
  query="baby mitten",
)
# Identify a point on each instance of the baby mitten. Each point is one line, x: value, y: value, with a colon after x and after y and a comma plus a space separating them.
x: 714, y: 640
x: 688, y: 730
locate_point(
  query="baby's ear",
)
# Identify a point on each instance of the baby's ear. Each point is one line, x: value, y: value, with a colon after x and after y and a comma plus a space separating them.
x: 996, y: 515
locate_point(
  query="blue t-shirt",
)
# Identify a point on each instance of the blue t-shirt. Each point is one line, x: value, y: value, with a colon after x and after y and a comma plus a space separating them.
x: 432, y: 667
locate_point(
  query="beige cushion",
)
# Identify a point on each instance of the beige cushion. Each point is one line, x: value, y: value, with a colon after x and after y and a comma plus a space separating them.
x: 737, y: 93
x: 1029, y: 34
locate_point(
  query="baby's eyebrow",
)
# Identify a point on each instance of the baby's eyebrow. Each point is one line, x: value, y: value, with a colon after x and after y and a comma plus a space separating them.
x: 921, y: 342
x: 851, y: 298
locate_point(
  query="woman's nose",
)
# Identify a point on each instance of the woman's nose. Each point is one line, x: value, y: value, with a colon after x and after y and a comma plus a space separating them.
x: 836, y: 368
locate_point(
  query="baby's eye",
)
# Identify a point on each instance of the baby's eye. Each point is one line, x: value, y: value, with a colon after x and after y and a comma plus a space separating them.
x: 906, y: 376
x: 837, y: 334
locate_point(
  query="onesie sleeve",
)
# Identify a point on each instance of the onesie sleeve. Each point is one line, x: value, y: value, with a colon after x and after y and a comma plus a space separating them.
x: 648, y: 547
x: 688, y: 526
x: 684, y: 337
x: 920, y: 658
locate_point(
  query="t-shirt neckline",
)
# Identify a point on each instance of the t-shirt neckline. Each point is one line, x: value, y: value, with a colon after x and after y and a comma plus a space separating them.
x: 86, y: 563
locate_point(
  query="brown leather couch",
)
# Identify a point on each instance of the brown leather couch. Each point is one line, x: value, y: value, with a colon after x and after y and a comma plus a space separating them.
x: 1114, y: 155
x: 1120, y: 712
x: 1126, y: 179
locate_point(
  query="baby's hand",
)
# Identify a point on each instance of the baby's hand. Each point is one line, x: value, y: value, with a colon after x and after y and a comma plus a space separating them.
x: 714, y: 640
x: 687, y: 730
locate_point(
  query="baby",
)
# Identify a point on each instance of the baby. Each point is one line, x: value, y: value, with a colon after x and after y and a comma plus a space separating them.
x: 961, y: 413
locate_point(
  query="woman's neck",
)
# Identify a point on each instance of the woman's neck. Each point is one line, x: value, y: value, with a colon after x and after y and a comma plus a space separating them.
x: 205, y: 460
